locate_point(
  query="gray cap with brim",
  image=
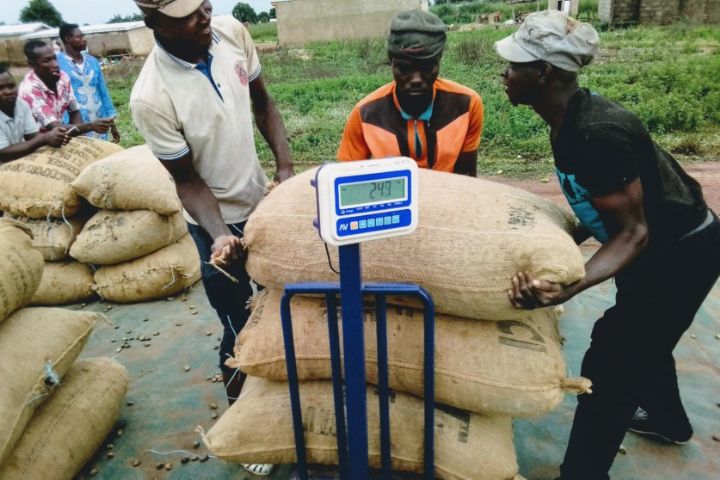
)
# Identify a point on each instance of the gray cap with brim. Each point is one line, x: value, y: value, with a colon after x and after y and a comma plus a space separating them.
x: 552, y: 37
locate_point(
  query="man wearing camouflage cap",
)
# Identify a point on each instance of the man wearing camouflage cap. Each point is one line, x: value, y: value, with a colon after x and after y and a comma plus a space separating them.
x: 435, y: 121
x: 659, y: 240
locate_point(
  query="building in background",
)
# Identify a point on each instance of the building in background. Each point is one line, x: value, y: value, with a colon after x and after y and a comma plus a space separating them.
x: 304, y: 21
x: 127, y: 38
x: 625, y: 12
x: 11, y: 47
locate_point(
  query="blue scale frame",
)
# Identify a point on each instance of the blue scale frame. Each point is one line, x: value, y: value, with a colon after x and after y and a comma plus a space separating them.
x: 352, y: 442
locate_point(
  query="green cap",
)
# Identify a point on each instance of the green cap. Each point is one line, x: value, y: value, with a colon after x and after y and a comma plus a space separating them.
x: 416, y: 35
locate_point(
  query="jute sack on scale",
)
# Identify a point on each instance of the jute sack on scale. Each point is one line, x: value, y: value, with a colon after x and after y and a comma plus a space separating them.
x: 166, y: 272
x: 111, y: 237
x: 21, y: 267
x: 130, y: 180
x: 473, y: 236
x: 53, y: 236
x: 509, y: 367
x: 70, y: 426
x: 258, y: 429
x: 37, y: 347
x: 38, y: 185
x: 64, y: 283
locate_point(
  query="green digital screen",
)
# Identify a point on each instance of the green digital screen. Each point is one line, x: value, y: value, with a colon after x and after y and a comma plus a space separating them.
x: 386, y: 190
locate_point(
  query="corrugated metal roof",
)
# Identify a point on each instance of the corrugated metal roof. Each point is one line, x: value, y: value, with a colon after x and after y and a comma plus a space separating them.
x: 21, y: 29
x: 89, y: 29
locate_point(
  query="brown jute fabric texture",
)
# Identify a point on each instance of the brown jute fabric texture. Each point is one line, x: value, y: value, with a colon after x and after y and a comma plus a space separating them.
x: 54, y: 236
x: 473, y: 236
x: 509, y: 367
x: 71, y: 425
x: 166, y: 272
x: 64, y: 283
x: 21, y: 267
x: 38, y: 185
x: 35, y: 345
x: 111, y: 237
x: 129, y: 180
x: 258, y: 429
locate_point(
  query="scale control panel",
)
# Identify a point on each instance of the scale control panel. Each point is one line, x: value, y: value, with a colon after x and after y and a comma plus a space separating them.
x: 366, y: 200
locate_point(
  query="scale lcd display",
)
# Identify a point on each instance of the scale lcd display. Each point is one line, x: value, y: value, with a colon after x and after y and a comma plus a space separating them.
x: 376, y: 191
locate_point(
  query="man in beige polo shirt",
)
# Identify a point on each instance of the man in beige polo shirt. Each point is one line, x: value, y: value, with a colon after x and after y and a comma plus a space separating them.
x: 193, y: 102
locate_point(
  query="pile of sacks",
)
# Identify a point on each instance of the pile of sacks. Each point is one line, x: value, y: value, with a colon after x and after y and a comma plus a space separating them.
x: 54, y: 411
x: 139, y: 237
x: 492, y: 362
x: 36, y: 190
x: 128, y: 242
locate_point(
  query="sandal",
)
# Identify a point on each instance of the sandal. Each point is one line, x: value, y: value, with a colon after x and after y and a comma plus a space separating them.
x: 260, y: 469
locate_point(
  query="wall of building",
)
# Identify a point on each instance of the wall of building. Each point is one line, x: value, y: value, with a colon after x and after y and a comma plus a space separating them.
x: 11, y: 51
x: 704, y: 11
x: 142, y: 41
x: 305, y: 21
x: 111, y: 43
x: 658, y: 11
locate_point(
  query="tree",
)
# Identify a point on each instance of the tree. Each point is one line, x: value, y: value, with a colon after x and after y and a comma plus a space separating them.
x: 263, y: 17
x: 134, y: 17
x: 272, y: 13
x: 245, y: 13
x: 41, y: 11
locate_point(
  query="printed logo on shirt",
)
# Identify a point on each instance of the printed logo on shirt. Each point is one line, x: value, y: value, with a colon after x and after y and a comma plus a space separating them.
x: 241, y: 72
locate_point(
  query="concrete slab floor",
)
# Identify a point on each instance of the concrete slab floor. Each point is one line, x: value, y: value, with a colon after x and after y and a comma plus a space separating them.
x: 166, y: 403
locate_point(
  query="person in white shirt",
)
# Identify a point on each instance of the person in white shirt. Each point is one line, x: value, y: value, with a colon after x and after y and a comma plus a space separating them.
x: 19, y: 134
x: 194, y: 102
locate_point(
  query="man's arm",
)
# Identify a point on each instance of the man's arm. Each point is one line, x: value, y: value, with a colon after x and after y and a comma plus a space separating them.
x: 466, y: 164
x: 271, y: 127
x: 101, y: 125
x: 107, y: 107
x: 56, y: 137
x: 202, y: 205
x: 622, y: 212
x: 353, y: 145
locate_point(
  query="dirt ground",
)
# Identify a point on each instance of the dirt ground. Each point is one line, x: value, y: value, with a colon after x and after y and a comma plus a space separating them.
x: 707, y: 173
x: 166, y: 401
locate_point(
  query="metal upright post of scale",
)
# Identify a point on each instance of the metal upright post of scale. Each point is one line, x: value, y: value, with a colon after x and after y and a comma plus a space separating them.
x: 359, y: 202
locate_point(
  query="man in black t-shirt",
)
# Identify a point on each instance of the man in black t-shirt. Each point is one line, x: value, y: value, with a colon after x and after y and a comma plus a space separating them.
x: 660, y: 242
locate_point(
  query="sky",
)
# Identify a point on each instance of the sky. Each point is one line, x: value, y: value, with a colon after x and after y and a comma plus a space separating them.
x: 100, y: 11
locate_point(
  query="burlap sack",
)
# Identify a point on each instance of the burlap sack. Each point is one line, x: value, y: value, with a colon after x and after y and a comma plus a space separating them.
x: 21, y: 267
x: 64, y: 283
x: 38, y: 186
x: 258, y: 429
x: 67, y: 429
x: 473, y: 236
x: 510, y: 368
x: 112, y: 237
x: 130, y: 180
x: 166, y: 272
x: 37, y: 347
x: 53, y: 237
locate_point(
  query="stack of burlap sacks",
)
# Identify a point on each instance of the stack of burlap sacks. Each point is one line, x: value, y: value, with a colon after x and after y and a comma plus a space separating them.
x: 492, y: 362
x: 139, y: 237
x: 36, y: 190
x: 54, y: 411
x: 135, y: 248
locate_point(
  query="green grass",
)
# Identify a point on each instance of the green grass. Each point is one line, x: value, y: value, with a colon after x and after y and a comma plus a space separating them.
x: 264, y: 32
x: 667, y: 75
